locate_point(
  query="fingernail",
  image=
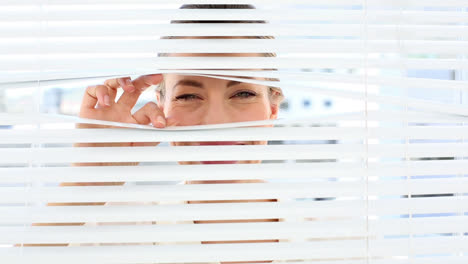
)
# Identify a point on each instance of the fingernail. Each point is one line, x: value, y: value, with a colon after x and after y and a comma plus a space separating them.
x: 161, y: 121
x: 106, y: 100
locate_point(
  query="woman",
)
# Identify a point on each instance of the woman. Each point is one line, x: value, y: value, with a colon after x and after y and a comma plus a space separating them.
x: 183, y: 100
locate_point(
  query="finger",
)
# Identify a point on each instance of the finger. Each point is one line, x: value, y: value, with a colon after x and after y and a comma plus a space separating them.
x: 97, y: 94
x: 145, y: 81
x: 112, y: 94
x: 150, y: 113
x: 141, y: 83
x: 170, y: 121
x: 128, y: 99
x: 112, y: 86
x: 116, y: 83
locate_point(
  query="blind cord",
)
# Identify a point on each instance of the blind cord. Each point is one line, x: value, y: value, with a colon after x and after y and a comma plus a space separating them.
x: 365, y: 55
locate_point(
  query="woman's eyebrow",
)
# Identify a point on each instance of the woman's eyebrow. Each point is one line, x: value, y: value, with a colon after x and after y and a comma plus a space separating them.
x: 232, y: 83
x: 187, y: 82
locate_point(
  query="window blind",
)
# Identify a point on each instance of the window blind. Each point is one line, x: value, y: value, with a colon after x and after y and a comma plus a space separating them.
x: 380, y: 177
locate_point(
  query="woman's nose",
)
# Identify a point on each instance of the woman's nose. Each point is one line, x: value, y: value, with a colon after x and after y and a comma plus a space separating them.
x: 216, y: 113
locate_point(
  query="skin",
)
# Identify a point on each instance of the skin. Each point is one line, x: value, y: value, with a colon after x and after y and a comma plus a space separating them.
x: 201, y: 101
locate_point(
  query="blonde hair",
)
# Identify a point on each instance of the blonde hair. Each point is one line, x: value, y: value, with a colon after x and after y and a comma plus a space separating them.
x: 275, y: 93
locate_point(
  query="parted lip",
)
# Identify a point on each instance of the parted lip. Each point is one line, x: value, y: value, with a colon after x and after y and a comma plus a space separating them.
x: 219, y: 162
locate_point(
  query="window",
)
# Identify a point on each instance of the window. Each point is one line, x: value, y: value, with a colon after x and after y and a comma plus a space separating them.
x: 374, y: 171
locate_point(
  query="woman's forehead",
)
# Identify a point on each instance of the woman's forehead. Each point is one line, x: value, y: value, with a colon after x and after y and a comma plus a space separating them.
x: 178, y: 80
x: 221, y: 78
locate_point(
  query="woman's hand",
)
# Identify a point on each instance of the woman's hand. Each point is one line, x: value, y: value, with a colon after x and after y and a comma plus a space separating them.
x: 99, y: 102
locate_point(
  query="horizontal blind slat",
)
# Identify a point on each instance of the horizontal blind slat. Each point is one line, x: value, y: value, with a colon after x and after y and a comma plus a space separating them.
x: 198, y: 253
x: 295, y: 171
x: 375, y: 3
x: 54, y: 78
x: 338, y: 229
x: 25, y: 30
x: 238, y: 134
x: 258, y: 251
x: 72, y: 46
x: 150, y: 62
x: 179, y: 212
x: 181, y: 153
x: 294, y: 14
x: 234, y: 191
x: 185, y: 232
x: 176, y: 193
x: 371, y: 115
x: 226, y: 153
x: 419, y: 246
x: 188, y: 212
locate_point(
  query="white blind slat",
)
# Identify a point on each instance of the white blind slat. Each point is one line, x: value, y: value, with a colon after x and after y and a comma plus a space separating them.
x: 27, y: 30
x: 199, y: 253
x: 144, y: 45
x: 187, y: 212
x: 338, y: 229
x: 232, y: 152
x: 239, y: 134
x: 183, y: 192
x: 188, y: 232
x: 295, y: 172
x: 407, y: 17
x: 150, y: 62
x: 179, y: 212
x: 323, y: 249
x: 231, y: 191
x: 375, y: 3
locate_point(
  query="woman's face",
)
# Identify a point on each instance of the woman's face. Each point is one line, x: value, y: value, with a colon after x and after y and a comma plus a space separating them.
x: 193, y: 100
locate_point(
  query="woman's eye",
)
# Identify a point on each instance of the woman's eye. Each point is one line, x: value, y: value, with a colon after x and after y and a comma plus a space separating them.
x: 244, y: 94
x: 187, y: 97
